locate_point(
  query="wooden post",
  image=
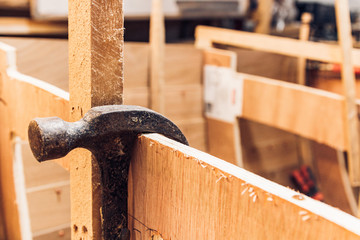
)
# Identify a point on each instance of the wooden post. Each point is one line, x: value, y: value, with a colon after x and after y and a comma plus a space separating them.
x: 263, y: 16
x: 96, y: 78
x: 157, y: 46
x: 303, y: 36
x: 304, y: 145
x: 348, y: 81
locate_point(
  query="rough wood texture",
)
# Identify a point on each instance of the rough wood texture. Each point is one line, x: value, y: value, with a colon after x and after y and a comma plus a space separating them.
x: 157, y: 53
x: 95, y: 78
x: 35, y: 99
x: 350, y: 114
x: 226, y: 197
x: 207, y: 36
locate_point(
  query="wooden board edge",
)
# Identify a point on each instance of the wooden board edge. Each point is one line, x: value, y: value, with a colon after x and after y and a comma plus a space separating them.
x: 331, y: 214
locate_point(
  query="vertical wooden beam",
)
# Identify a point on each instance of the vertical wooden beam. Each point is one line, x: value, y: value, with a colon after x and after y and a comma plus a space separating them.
x: 304, y: 145
x: 157, y: 46
x: 263, y: 16
x: 348, y: 81
x: 303, y: 36
x: 96, y: 78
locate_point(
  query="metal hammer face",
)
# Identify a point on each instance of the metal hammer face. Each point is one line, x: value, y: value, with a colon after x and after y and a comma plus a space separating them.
x: 109, y: 132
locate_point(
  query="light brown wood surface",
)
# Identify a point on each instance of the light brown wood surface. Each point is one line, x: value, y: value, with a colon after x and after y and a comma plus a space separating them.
x: 95, y: 78
x: 17, y: 4
x: 263, y: 16
x: 47, y: 187
x: 44, y: 59
x: 157, y: 54
x: 304, y: 34
x: 287, y: 106
x: 27, y: 26
x: 304, y: 145
x: 22, y: 99
x: 182, y: 193
x: 221, y: 140
x: 299, y: 109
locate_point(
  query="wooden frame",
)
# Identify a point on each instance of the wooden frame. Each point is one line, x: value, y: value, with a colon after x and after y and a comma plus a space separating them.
x: 207, y: 36
x: 258, y: 101
x: 168, y: 209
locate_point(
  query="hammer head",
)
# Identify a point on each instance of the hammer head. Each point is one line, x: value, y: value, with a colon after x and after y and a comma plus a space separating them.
x: 52, y: 138
x: 48, y: 138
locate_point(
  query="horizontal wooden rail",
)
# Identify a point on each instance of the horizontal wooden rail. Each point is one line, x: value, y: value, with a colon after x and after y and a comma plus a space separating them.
x: 308, y: 112
x: 207, y: 36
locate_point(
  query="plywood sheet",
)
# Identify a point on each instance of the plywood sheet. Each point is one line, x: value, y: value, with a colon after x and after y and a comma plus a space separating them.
x: 185, y: 194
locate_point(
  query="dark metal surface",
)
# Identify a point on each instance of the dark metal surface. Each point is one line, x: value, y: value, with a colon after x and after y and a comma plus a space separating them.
x: 109, y: 132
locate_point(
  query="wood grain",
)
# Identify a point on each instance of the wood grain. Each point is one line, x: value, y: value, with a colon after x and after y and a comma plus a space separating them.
x: 288, y: 106
x: 182, y: 193
x: 22, y: 99
x: 95, y: 78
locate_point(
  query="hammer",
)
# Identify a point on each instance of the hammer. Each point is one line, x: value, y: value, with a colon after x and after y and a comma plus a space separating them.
x: 109, y: 132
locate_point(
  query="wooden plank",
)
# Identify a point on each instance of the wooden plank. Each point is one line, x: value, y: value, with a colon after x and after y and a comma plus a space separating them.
x: 43, y: 59
x: 226, y: 197
x: 62, y: 233
x: 95, y: 78
x: 38, y: 174
x: 42, y: 193
x: 207, y: 36
x: 350, y: 113
x: 137, y: 61
x: 288, y: 106
x: 182, y: 64
x: 221, y: 140
x: 49, y: 207
x: 157, y: 53
x: 34, y: 98
x: 26, y: 26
